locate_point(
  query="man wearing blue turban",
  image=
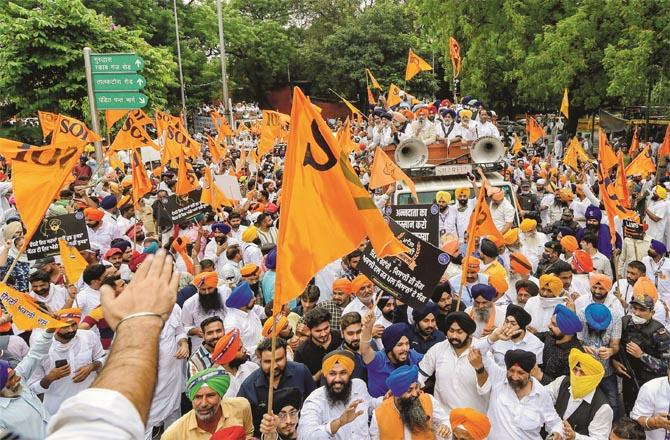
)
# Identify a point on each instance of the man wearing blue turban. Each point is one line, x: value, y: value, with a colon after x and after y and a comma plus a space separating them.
x: 558, y: 341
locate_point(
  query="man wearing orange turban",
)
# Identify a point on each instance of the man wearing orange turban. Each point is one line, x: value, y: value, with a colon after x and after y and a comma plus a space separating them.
x: 469, y: 424
x: 342, y: 294
x: 101, y: 232
x: 473, y: 276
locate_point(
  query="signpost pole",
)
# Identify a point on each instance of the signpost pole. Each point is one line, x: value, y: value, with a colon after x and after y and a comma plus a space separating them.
x: 95, y: 124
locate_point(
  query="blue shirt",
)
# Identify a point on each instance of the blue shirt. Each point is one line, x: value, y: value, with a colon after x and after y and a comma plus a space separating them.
x: 421, y: 345
x: 381, y: 367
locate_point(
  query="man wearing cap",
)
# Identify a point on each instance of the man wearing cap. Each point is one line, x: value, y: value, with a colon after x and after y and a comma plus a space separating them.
x: 73, y: 361
x: 411, y: 411
x: 579, y: 401
x: 397, y: 352
x: 230, y: 354
x: 217, y: 246
x: 212, y: 331
x: 657, y: 211
x: 211, y: 411
x: 472, y: 266
x: 340, y: 408
x: 519, y: 405
x: 469, y: 424
x: 558, y: 341
x: 484, y: 311
x: 541, y: 307
x: 341, y: 290
x: 101, y: 231
x: 455, y: 378
x: 282, y: 424
x: 658, y: 268
x: 209, y: 301
x: 240, y: 315
x: 322, y: 340
x: 424, y: 334
x: 516, y: 318
x: 645, y: 343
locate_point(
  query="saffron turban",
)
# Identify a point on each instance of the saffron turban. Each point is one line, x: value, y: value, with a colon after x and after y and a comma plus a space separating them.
x: 249, y: 234
x: 206, y: 279
x: 226, y: 349
x: 473, y: 422
x: 281, y: 324
x: 528, y: 224
x: 359, y: 282
x: 443, y: 196
x: 214, y: 378
x: 460, y: 191
x: 342, y: 357
x: 511, y: 236
x: 67, y: 315
x: 582, y: 262
x: 499, y: 283
x: 569, y: 243
x: 472, y: 263
x: 519, y: 263
x: 342, y: 284
x: 553, y: 282
x: 599, y: 279
x: 94, y: 214
x: 248, y: 269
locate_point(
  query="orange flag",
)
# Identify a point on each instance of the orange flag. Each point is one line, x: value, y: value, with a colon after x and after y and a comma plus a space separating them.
x: 25, y: 313
x: 374, y: 82
x: 72, y: 261
x: 535, y: 131
x: 415, y: 64
x: 319, y: 179
x: 270, y: 131
x: 70, y: 131
x: 606, y: 156
x: 614, y: 207
x: 141, y: 182
x: 112, y: 116
x: 242, y: 161
x: 385, y: 172
x: 37, y: 178
x: 643, y: 164
x: 47, y: 122
x: 480, y: 225
x: 133, y: 134
x: 214, y: 150
x: 187, y: 181
x: 664, y: 149
x: 394, y: 96
x: 211, y: 194
x: 517, y: 144
x: 635, y: 144
x: 221, y: 125
x: 114, y: 160
x: 351, y: 107
x: 371, y: 97
x: 455, y: 54
x: 344, y: 139
x: 621, y: 183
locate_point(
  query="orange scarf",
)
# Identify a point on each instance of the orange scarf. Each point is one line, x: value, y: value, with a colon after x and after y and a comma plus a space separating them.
x: 390, y: 425
x: 179, y: 246
x: 490, y: 324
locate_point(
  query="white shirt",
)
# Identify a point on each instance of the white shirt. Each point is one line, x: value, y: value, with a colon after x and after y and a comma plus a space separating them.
x: 192, y: 314
x: 468, y: 133
x: 251, y: 253
x: 488, y: 129
x: 236, y: 380
x: 357, y: 306
x: 317, y: 413
x: 457, y: 222
x: 659, y: 274
x: 455, y: 378
x: 466, y: 296
x: 102, y: 237
x: 438, y: 418
x: 171, y: 373
x: 611, y: 301
x: 600, y: 426
x: 218, y: 260
x: 83, y: 349
x: 248, y: 324
x: 237, y: 234
x: 542, y: 309
x: 325, y: 278
x: 502, y: 214
x: 55, y: 299
x: 88, y: 299
x: 653, y: 399
x: 659, y: 208
x: 601, y: 264
x: 510, y: 417
x: 530, y: 342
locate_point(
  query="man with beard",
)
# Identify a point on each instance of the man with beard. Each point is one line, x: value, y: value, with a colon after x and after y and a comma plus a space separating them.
x: 550, y: 256
x: 208, y: 302
x: 525, y: 290
x: 341, y: 298
x: 114, y: 256
x: 516, y: 318
x: 541, y: 307
x: 72, y: 363
x: 396, y: 352
x: 88, y: 297
x: 240, y: 315
x: 519, y: 406
x: 623, y: 289
x: 422, y: 128
x: 502, y: 211
x: 657, y: 211
x: 472, y: 266
x: 414, y: 413
x: 363, y: 303
x: 462, y: 211
x: 212, y: 331
x: 600, y: 288
x: 469, y: 424
x: 252, y: 274
x: 230, y: 354
x: 127, y: 253
x: 532, y: 241
x: 267, y: 232
x: 286, y: 374
x: 217, y: 246
x: 558, y: 341
x: 101, y: 231
x: 22, y: 410
x: 519, y: 270
x: 446, y: 304
x: 658, y: 268
x: 236, y: 227
x: 528, y: 202
x: 455, y: 378
x: 55, y: 297
x: 340, y: 408
x: 484, y: 311
x: 425, y: 334
x: 443, y: 200
x: 351, y: 329
x: 282, y: 424
x: 387, y: 306
x: 323, y: 339
x: 211, y: 412
x: 603, y: 242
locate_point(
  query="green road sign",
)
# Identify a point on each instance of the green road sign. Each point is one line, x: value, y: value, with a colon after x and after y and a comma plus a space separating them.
x: 120, y: 100
x: 118, y: 82
x: 116, y: 63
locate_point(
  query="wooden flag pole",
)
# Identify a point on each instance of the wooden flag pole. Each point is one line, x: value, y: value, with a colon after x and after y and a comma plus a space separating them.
x: 271, y: 374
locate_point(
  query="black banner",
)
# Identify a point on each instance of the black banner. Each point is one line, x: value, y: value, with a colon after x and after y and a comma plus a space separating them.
x: 420, y: 220
x: 409, y: 277
x: 183, y: 208
x: 632, y: 230
x: 71, y: 227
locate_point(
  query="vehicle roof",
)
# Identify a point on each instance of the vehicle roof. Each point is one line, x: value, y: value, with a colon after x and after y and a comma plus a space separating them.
x: 455, y: 181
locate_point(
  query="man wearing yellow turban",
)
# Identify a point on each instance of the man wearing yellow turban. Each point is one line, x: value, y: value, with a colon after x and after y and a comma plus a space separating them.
x: 541, y: 307
x: 578, y: 400
x: 462, y: 211
x: 443, y: 199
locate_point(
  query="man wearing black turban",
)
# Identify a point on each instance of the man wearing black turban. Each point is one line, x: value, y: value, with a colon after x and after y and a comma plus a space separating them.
x: 518, y: 319
x: 286, y: 408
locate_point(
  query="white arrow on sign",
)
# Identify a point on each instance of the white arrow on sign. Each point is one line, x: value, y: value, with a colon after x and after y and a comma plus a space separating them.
x: 138, y: 63
x: 140, y: 82
x: 142, y: 101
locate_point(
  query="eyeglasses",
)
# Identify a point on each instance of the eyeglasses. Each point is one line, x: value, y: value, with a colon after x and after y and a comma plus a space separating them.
x: 293, y: 414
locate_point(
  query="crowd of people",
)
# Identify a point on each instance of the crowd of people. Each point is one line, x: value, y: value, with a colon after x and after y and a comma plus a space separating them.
x: 556, y: 330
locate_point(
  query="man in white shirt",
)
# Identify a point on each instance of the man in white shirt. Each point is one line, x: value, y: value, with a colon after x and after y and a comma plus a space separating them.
x: 88, y: 297
x: 236, y: 228
x: 251, y: 251
x: 75, y: 357
x: 519, y: 406
x: 465, y: 130
x: 215, y: 249
x: 101, y: 231
x: 658, y: 268
x: 651, y: 407
x: 240, y: 315
x: 502, y: 211
x: 209, y: 301
x: 422, y: 128
x: 455, y: 378
x: 340, y: 408
x: 657, y: 213
x: 457, y: 222
x: 517, y: 318
x: 55, y: 297
x: 601, y: 263
x: 486, y: 127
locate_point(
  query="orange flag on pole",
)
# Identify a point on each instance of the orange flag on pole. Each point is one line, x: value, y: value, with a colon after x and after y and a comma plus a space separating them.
x: 70, y: 131
x: 374, y: 82
x: 221, y: 125
x: 187, y: 181
x: 133, y: 134
x: 565, y: 104
x: 242, y: 161
x: 635, y: 144
x: 72, y: 261
x: 455, y: 54
x: 37, y: 178
x: 271, y: 127
x: 621, y: 183
x: 385, y: 172
x: 217, y: 154
x: 371, y: 97
x: 517, y: 144
x: 606, y: 156
x: 211, y: 194
x: 643, y: 164
x: 394, y: 96
x: 112, y: 116
x: 614, y: 207
x: 25, y: 313
x: 47, y: 122
x: 415, y: 64
x: 319, y: 179
x: 535, y: 131
x: 141, y: 182
x: 664, y: 149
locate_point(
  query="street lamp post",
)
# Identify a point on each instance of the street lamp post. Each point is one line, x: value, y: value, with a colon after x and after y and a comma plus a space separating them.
x: 181, y: 74
x: 222, y: 52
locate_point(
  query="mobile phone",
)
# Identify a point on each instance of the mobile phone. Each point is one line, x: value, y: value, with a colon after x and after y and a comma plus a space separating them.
x: 61, y: 363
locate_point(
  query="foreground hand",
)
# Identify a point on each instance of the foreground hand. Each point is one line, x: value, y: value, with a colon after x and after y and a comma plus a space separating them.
x: 619, y: 368
x: 82, y: 373
x: 58, y: 373
x: 569, y: 432
x: 153, y: 289
x: 634, y: 350
x: 659, y: 421
x: 350, y: 414
x: 443, y: 431
x: 268, y: 426
x: 475, y: 358
x: 182, y: 351
x: 377, y: 331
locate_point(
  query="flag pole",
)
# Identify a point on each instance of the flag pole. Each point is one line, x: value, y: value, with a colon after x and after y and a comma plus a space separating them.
x: 272, y: 365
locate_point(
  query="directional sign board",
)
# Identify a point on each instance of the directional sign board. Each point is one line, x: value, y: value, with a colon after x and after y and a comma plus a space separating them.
x: 116, y: 81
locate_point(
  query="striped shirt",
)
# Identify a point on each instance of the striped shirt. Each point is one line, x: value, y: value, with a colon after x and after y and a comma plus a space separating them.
x: 199, y: 360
